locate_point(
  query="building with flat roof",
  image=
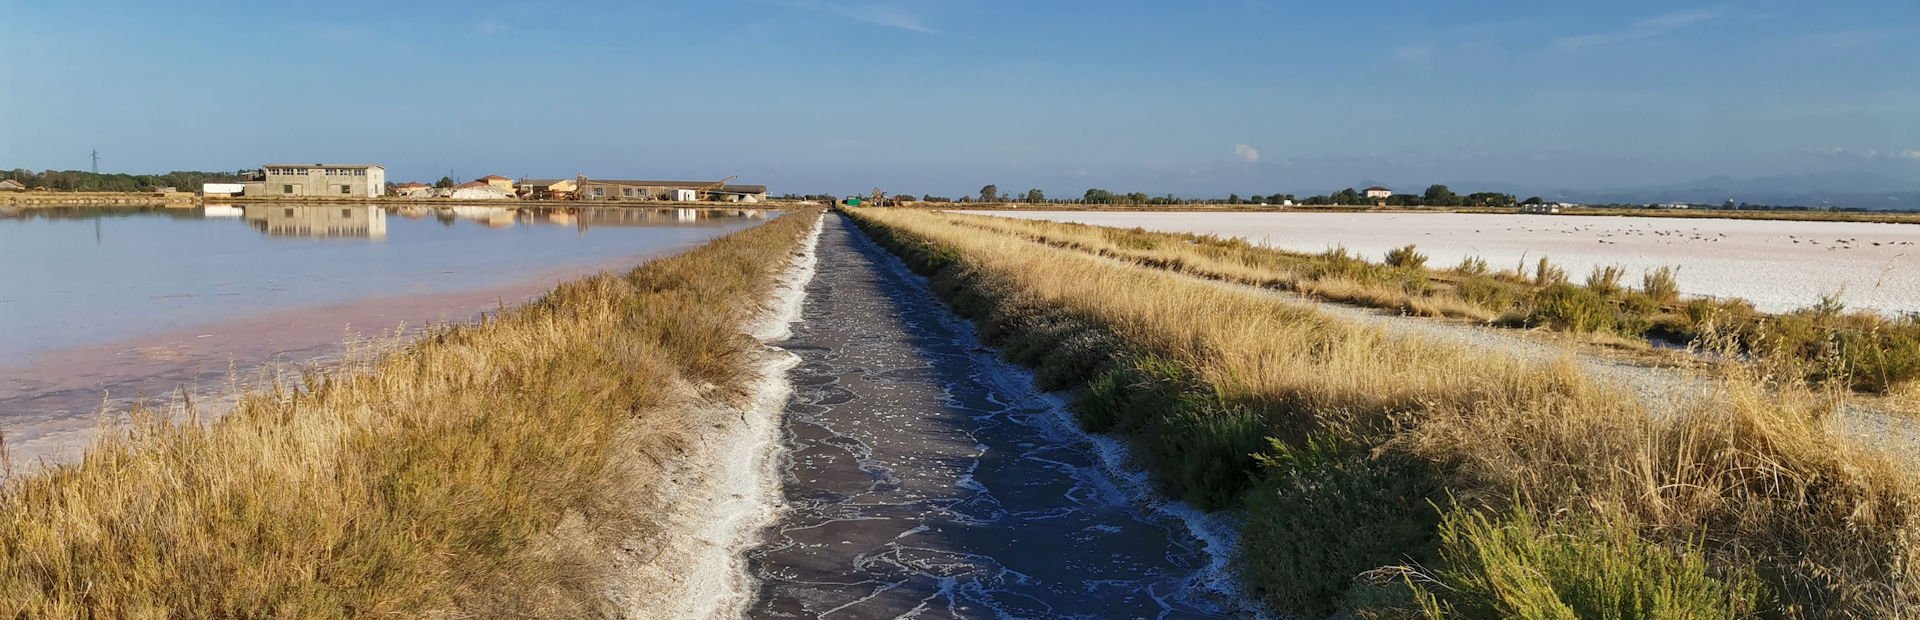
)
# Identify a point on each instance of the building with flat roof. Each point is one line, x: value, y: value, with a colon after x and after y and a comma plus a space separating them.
x: 1378, y: 192
x: 614, y: 189
x: 324, y: 180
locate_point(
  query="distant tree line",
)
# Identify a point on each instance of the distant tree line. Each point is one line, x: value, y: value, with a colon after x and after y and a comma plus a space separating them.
x: 83, y: 181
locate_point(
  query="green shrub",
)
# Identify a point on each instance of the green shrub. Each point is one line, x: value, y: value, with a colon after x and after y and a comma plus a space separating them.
x: 1662, y: 285
x: 1406, y: 258
x: 1593, y: 569
x: 1489, y: 292
x: 1564, y: 306
x: 1323, y: 514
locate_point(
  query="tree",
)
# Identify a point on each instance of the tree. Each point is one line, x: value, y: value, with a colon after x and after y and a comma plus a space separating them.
x: 1532, y: 200
x: 1098, y: 196
x: 1036, y: 196
x: 1439, y: 196
x: 1233, y: 199
x: 444, y: 182
x: 1348, y: 197
x: 990, y: 193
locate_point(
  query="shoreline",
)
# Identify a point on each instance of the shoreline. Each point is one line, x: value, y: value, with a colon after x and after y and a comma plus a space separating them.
x: 61, y: 396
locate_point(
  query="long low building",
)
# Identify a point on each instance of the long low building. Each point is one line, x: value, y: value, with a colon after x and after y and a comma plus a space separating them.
x: 681, y: 191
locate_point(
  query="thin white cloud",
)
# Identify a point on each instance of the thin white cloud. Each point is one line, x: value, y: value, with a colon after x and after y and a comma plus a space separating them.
x: 1643, y: 29
x: 883, y: 15
x: 1246, y: 153
x: 1912, y: 154
x: 1844, y: 39
x: 1415, y: 54
x: 891, y: 14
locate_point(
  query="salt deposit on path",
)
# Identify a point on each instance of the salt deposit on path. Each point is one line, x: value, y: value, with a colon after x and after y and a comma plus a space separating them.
x: 723, y: 491
x: 1778, y: 265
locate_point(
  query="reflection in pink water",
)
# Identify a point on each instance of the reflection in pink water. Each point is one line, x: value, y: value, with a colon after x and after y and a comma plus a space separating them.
x: 69, y: 362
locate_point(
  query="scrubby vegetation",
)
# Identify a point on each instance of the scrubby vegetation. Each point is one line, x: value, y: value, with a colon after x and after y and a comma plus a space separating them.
x: 1869, y: 351
x: 1398, y: 477
x: 483, y: 471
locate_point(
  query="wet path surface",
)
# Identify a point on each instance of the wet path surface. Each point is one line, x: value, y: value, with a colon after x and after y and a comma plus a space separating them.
x: 923, y: 480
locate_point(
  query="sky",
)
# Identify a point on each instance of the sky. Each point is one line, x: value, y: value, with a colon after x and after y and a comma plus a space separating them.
x: 1203, y: 97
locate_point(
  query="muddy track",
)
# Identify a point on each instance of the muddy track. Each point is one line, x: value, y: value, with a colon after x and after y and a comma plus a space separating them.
x: 923, y: 477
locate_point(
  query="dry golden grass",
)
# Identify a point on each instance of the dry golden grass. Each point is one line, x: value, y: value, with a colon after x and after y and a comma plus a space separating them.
x: 1750, y: 477
x: 482, y: 471
x: 1871, y: 352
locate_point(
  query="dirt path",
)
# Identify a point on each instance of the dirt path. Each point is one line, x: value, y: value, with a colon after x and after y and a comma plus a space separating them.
x: 926, y: 478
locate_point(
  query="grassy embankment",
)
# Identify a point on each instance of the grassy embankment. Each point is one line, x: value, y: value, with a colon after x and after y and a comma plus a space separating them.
x: 1865, y: 350
x: 482, y: 471
x: 1402, y: 477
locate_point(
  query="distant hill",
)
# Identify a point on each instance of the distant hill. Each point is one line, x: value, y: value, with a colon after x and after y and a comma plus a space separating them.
x: 1859, y: 190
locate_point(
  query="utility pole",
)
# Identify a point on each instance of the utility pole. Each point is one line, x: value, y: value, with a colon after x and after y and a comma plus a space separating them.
x: 96, y: 161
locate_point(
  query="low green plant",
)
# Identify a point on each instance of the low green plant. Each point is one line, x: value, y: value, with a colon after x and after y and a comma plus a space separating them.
x: 1326, y: 512
x: 1576, y: 568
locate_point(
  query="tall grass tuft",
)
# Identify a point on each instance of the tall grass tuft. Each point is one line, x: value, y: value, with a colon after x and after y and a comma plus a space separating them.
x: 1661, y: 285
x: 1606, y: 280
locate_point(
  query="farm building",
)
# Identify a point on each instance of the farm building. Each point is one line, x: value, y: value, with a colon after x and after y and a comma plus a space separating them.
x: 324, y: 180
x: 612, y: 189
x: 1378, y: 192
x: 10, y: 185
x: 503, y: 183
x: 547, y: 189
x: 221, y: 190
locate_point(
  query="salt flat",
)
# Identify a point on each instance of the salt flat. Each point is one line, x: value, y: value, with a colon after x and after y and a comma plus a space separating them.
x: 1779, y: 265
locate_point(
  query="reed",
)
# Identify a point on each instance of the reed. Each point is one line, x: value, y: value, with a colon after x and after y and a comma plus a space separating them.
x: 483, y: 470
x: 1353, y: 453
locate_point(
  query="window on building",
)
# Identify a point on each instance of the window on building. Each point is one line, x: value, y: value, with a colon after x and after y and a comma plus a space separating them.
x: 627, y: 192
x: 288, y: 212
x: 286, y: 189
x: 345, y: 213
x: 599, y: 192
x: 346, y: 189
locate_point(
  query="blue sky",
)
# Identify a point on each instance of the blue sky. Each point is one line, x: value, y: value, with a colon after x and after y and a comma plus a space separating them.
x: 942, y: 96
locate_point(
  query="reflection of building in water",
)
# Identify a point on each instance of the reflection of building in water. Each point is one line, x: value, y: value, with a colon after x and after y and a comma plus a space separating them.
x: 494, y: 217
x: 361, y: 222
x: 212, y: 211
